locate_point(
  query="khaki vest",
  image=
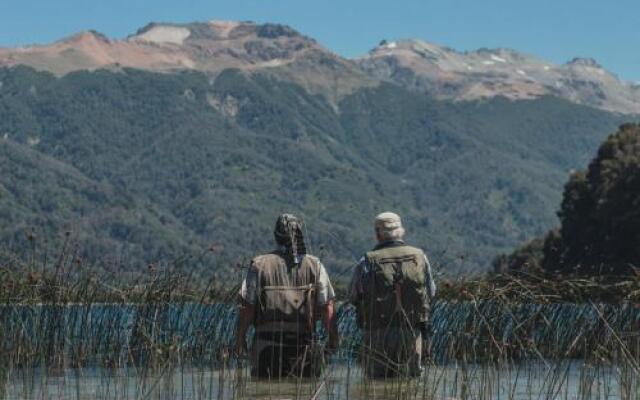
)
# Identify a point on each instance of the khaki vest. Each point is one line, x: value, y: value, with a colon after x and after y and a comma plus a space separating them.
x: 394, y: 287
x: 286, y: 296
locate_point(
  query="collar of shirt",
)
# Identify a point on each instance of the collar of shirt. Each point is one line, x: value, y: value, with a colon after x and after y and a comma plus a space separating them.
x: 389, y: 243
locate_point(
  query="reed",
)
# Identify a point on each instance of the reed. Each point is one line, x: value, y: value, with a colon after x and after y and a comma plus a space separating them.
x: 69, y: 332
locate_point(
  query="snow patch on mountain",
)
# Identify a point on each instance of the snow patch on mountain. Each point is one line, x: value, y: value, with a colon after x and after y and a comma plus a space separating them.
x: 164, y: 34
x: 498, y: 59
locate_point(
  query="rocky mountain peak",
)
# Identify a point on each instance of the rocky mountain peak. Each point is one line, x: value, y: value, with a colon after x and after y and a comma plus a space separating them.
x: 417, y: 46
x: 206, y: 46
x: 86, y: 36
x: 584, y: 62
x: 483, y: 73
x: 212, y: 46
x: 209, y: 47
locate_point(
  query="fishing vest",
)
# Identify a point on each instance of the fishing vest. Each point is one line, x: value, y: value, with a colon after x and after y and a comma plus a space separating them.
x: 394, y: 287
x: 286, y: 295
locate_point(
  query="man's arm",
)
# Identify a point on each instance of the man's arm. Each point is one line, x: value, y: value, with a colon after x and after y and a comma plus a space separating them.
x: 246, y: 309
x: 431, y: 284
x: 425, y: 326
x: 329, y: 322
x: 356, y: 290
x: 355, y: 286
x: 325, y: 301
x: 245, y: 318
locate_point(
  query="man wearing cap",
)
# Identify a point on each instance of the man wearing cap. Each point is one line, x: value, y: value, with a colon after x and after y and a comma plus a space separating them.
x: 392, y: 287
x: 283, y: 295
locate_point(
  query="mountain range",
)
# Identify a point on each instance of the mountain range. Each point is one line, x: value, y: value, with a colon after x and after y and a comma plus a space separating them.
x: 442, y: 72
x: 188, y: 137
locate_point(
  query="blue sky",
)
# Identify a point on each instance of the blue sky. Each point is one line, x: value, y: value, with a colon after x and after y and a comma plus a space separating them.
x: 557, y: 30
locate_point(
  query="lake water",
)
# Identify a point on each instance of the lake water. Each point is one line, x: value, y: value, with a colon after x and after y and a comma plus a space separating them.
x: 532, y: 380
x: 196, y: 337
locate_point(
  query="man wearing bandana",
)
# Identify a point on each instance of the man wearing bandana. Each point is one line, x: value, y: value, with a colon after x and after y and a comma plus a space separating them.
x: 283, y: 295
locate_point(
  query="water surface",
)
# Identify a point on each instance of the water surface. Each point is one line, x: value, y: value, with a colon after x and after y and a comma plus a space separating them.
x: 532, y: 380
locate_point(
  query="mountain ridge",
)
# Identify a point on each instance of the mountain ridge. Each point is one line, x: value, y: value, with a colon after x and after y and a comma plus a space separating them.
x: 484, y: 73
x: 443, y: 72
x: 209, y: 47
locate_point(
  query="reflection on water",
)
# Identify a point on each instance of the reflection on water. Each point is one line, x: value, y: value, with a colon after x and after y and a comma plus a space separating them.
x: 184, y: 349
x: 533, y: 380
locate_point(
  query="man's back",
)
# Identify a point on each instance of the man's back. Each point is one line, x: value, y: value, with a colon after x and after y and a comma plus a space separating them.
x: 282, y: 295
x: 391, y: 288
x: 274, y: 271
x: 286, y: 295
x: 394, y: 287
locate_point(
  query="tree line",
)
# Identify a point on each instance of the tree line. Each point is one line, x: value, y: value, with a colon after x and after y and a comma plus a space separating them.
x: 599, y: 230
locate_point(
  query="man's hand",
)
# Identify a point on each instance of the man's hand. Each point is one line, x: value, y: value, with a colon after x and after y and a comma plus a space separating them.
x: 240, y: 347
x: 426, y: 351
x: 333, y: 343
x: 328, y: 318
x: 425, y: 332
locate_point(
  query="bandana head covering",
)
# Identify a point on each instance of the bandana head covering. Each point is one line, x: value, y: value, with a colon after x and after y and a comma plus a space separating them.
x: 288, y: 234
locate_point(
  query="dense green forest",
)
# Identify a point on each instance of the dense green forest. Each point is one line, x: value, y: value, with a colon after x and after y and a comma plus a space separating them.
x: 599, y: 216
x: 139, y: 167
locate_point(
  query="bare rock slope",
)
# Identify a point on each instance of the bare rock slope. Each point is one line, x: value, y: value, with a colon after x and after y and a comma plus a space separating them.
x: 484, y: 73
x: 444, y: 73
x: 210, y: 47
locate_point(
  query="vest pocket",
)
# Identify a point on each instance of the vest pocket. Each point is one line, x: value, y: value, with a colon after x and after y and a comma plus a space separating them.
x: 286, y: 304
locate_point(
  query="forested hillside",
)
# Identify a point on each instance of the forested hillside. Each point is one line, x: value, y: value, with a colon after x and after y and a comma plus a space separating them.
x: 141, y: 167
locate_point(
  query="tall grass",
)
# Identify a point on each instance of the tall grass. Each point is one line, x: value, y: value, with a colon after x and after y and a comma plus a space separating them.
x: 67, y: 332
